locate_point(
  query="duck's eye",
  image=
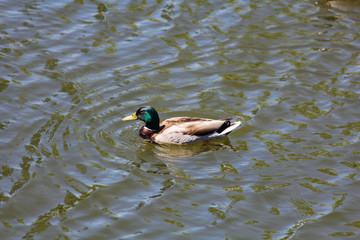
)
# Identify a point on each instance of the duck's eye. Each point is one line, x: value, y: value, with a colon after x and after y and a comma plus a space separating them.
x: 142, y: 111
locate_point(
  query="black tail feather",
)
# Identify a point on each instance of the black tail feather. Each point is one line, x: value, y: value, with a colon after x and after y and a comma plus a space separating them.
x: 225, y: 125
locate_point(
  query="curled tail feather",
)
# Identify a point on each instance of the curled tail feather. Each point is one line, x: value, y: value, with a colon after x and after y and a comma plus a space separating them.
x: 228, y: 127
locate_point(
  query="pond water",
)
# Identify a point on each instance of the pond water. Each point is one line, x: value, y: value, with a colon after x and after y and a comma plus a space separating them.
x: 71, y: 169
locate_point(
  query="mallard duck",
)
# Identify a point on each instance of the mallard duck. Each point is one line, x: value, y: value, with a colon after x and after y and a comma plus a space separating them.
x: 180, y: 130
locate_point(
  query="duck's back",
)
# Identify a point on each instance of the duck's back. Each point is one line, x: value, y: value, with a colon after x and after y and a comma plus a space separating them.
x: 182, y: 130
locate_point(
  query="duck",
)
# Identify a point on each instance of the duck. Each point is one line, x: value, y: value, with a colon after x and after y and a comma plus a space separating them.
x: 180, y: 130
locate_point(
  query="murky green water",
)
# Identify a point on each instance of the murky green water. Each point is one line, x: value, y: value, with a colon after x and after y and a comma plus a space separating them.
x: 71, y: 169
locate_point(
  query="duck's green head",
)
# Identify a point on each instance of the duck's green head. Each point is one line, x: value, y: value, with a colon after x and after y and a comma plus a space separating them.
x: 147, y: 114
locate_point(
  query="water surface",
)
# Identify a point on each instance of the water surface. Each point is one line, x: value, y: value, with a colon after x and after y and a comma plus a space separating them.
x: 71, y: 169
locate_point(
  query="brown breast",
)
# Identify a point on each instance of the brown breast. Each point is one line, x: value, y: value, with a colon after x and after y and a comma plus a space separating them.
x: 146, y: 133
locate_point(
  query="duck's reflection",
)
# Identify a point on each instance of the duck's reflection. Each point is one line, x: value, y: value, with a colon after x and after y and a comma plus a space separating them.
x: 171, y: 151
x: 344, y: 5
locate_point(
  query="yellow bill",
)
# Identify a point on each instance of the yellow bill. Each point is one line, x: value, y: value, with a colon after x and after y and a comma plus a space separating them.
x: 131, y: 117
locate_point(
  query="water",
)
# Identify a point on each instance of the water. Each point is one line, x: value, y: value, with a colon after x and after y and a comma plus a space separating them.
x: 71, y: 169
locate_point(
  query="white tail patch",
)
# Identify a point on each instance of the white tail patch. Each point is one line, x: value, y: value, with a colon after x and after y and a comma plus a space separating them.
x: 231, y: 128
